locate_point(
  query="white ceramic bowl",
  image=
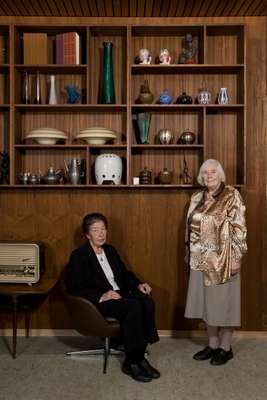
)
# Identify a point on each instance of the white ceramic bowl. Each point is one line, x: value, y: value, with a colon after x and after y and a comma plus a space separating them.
x: 47, y: 131
x: 51, y: 136
x: 95, y: 140
x: 96, y: 137
x: 46, y: 140
x: 96, y: 129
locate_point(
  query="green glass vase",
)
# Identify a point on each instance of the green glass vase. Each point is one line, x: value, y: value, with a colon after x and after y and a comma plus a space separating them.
x: 108, y: 90
x: 143, y: 124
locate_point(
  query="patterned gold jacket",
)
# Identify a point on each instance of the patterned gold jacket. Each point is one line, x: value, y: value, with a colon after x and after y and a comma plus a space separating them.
x: 216, y: 233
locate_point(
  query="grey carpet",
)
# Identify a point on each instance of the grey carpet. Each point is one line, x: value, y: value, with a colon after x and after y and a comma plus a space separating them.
x: 43, y: 372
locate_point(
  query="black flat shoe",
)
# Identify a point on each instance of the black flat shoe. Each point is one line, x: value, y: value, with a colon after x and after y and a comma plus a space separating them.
x: 136, y: 372
x: 205, y: 354
x: 221, y: 357
x: 151, y: 371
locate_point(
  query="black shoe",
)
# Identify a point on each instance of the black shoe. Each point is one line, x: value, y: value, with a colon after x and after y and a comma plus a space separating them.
x: 136, y: 372
x: 151, y: 371
x: 205, y: 354
x: 221, y: 357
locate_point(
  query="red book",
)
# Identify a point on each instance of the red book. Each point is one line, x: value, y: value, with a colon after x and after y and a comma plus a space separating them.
x: 68, y: 48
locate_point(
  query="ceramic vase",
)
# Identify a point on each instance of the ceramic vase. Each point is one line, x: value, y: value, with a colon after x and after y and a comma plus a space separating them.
x: 165, y: 97
x: 184, y: 99
x: 145, y: 96
x: 108, y: 169
x: 52, y: 92
x: 108, y: 90
x: 223, y: 97
x: 165, y: 176
x: 204, y: 96
x: 145, y: 177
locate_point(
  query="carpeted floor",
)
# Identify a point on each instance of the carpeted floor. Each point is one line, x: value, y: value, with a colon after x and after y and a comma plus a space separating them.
x: 41, y: 371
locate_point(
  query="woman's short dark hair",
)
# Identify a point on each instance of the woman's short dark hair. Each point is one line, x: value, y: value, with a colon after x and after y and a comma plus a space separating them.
x: 90, y: 219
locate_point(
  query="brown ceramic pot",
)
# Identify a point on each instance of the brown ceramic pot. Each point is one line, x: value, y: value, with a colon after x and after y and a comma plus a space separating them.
x: 165, y: 176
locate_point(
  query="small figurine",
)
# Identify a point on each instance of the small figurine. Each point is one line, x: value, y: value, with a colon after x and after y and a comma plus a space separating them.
x: 184, y: 176
x: 72, y: 93
x: 144, y: 56
x: 164, y: 57
x: 190, y: 50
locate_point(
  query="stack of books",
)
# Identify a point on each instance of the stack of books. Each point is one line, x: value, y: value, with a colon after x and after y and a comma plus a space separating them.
x: 68, y: 48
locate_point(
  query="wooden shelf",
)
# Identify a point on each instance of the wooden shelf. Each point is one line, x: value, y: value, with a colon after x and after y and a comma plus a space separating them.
x: 220, y: 129
x: 4, y: 107
x: 72, y: 107
x: 166, y: 107
x: 69, y: 146
x: 4, y: 68
x: 184, y: 107
x: 186, y: 68
x: 101, y: 187
x: 55, y: 68
x: 167, y: 146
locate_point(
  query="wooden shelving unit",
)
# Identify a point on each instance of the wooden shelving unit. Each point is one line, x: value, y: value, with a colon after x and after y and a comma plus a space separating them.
x: 220, y: 129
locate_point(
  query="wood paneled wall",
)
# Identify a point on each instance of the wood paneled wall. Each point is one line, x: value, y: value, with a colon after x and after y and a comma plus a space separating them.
x: 148, y: 225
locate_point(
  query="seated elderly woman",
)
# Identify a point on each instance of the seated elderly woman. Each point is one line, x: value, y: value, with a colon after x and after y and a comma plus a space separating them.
x: 216, y: 240
x: 97, y: 273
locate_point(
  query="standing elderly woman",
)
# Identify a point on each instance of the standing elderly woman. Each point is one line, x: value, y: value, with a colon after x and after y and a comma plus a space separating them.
x: 216, y: 240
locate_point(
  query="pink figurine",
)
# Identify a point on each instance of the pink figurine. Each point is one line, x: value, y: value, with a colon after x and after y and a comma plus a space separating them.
x: 164, y: 56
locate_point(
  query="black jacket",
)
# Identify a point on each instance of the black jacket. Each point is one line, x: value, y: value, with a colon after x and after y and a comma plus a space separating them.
x: 85, y: 277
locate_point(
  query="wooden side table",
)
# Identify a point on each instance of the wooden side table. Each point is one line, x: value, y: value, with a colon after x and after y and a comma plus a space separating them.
x: 17, y: 290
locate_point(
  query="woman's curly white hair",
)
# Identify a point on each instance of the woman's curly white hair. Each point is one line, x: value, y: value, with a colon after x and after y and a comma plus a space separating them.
x: 205, y: 165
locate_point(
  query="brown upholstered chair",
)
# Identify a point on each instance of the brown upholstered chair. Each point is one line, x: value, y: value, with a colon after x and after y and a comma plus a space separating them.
x: 88, y: 321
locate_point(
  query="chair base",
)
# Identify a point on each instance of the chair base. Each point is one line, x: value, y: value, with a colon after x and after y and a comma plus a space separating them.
x: 106, y: 351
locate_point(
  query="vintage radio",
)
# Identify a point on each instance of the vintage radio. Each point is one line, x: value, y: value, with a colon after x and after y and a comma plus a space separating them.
x: 21, y: 262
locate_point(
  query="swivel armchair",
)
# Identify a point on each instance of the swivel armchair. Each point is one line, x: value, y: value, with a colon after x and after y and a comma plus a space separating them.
x: 88, y: 321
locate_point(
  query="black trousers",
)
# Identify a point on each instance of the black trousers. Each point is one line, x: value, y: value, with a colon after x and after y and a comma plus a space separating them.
x: 136, y: 313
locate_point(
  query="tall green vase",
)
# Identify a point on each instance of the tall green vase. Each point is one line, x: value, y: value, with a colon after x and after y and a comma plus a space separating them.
x: 108, y: 90
x: 143, y: 124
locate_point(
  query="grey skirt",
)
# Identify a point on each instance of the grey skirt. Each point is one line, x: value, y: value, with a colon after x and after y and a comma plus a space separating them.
x: 217, y: 305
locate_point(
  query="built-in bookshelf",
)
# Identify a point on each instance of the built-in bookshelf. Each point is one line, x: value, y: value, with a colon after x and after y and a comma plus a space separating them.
x: 220, y: 129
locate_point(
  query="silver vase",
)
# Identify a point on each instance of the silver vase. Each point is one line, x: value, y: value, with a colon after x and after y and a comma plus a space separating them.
x: 75, y: 171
